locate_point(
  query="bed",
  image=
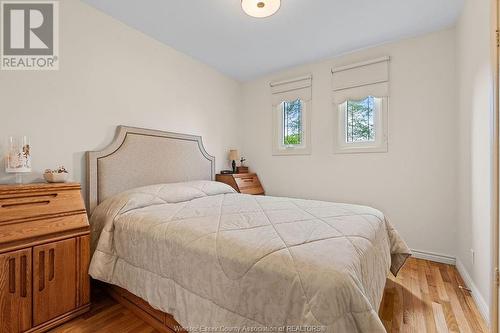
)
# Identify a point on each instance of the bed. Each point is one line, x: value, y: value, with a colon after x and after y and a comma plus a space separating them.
x: 189, y: 253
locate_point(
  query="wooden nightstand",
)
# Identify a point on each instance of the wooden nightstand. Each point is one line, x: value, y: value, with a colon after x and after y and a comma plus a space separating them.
x: 44, y: 256
x: 247, y: 183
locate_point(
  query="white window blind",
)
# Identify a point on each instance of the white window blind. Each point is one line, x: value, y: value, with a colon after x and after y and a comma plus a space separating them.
x: 359, y: 80
x: 292, y: 89
x: 291, y: 105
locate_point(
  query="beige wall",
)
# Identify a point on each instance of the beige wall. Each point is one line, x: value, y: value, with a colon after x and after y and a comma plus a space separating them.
x: 109, y: 75
x: 474, y: 112
x: 415, y: 182
x: 434, y: 182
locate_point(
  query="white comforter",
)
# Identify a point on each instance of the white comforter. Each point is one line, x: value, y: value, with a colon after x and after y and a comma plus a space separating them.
x: 216, y: 260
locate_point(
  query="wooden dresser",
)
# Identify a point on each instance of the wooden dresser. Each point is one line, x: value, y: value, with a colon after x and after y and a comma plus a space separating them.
x: 247, y: 183
x: 44, y: 256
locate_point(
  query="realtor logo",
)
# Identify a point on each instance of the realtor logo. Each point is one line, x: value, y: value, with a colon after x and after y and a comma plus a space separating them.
x: 29, y: 35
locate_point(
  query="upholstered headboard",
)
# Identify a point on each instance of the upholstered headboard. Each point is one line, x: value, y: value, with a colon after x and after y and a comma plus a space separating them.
x: 139, y: 157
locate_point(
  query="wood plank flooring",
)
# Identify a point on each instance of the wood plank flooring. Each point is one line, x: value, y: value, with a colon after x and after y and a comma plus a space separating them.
x: 105, y: 316
x: 425, y: 297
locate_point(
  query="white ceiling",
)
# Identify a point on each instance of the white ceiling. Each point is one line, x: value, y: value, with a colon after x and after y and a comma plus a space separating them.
x: 218, y: 33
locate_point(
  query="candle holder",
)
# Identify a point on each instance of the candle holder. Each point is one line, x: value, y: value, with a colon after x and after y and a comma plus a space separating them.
x: 18, y: 160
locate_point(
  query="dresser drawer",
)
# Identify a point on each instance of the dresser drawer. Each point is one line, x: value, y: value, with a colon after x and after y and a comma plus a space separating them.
x: 15, y: 233
x: 246, y: 180
x: 15, y: 207
x: 44, y: 234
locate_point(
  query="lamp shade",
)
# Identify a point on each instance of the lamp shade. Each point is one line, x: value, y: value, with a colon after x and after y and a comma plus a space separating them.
x: 234, y: 155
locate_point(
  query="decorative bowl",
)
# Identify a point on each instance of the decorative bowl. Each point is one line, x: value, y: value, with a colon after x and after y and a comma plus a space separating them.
x: 55, y: 177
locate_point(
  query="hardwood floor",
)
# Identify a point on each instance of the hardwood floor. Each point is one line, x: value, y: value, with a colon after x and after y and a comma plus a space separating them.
x: 105, y: 316
x: 425, y: 297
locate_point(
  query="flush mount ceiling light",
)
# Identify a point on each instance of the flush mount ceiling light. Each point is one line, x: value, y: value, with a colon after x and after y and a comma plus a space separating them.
x: 260, y: 8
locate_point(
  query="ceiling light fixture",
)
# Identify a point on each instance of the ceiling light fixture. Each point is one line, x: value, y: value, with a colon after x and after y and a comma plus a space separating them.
x: 260, y: 8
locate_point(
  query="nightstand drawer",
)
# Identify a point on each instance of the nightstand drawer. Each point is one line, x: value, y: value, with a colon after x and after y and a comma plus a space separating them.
x: 14, y: 207
x: 246, y: 180
x: 258, y: 190
x: 247, y: 183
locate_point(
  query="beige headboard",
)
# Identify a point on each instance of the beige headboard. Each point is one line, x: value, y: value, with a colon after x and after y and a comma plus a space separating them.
x: 139, y: 157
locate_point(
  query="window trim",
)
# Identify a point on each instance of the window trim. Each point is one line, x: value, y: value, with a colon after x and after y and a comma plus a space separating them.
x: 278, y: 147
x: 380, y: 145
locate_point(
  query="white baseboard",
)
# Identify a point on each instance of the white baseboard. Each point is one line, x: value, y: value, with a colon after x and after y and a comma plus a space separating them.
x: 476, y: 295
x: 437, y: 257
x: 482, y: 306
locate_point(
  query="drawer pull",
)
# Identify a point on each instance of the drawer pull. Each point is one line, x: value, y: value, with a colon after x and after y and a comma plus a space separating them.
x: 41, y: 270
x: 51, y: 264
x: 12, y: 275
x: 28, y: 196
x: 32, y: 203
x: 24, y: 276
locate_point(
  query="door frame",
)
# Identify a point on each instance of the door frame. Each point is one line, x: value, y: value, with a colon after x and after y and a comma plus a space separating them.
x: 494, y: 307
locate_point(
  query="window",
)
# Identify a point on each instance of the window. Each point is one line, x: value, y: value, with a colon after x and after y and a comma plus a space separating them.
x: 359, y: 120
x: 292, y: 123
x: 361, y: 126
x: 360, y: 97
x: 291, y: 116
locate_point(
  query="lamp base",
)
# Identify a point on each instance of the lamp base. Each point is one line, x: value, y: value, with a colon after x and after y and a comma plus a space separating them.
x: 234, y: 166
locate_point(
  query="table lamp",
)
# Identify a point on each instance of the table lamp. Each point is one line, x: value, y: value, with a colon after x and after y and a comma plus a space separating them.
x: 233, y: 156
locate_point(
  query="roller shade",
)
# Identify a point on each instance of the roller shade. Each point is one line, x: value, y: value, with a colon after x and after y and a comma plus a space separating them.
x: 292, y: 89
x: 356, y: 81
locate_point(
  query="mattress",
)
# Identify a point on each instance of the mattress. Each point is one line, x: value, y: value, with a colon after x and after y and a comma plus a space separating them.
x: 222, y: 261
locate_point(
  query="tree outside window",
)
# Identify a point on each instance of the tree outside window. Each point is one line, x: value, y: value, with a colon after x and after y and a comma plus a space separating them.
x: 292, y: 122
x: 360, y: 120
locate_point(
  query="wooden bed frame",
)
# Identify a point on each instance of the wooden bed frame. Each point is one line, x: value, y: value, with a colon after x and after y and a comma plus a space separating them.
x: 161, y: 321
x: 120, y: 166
